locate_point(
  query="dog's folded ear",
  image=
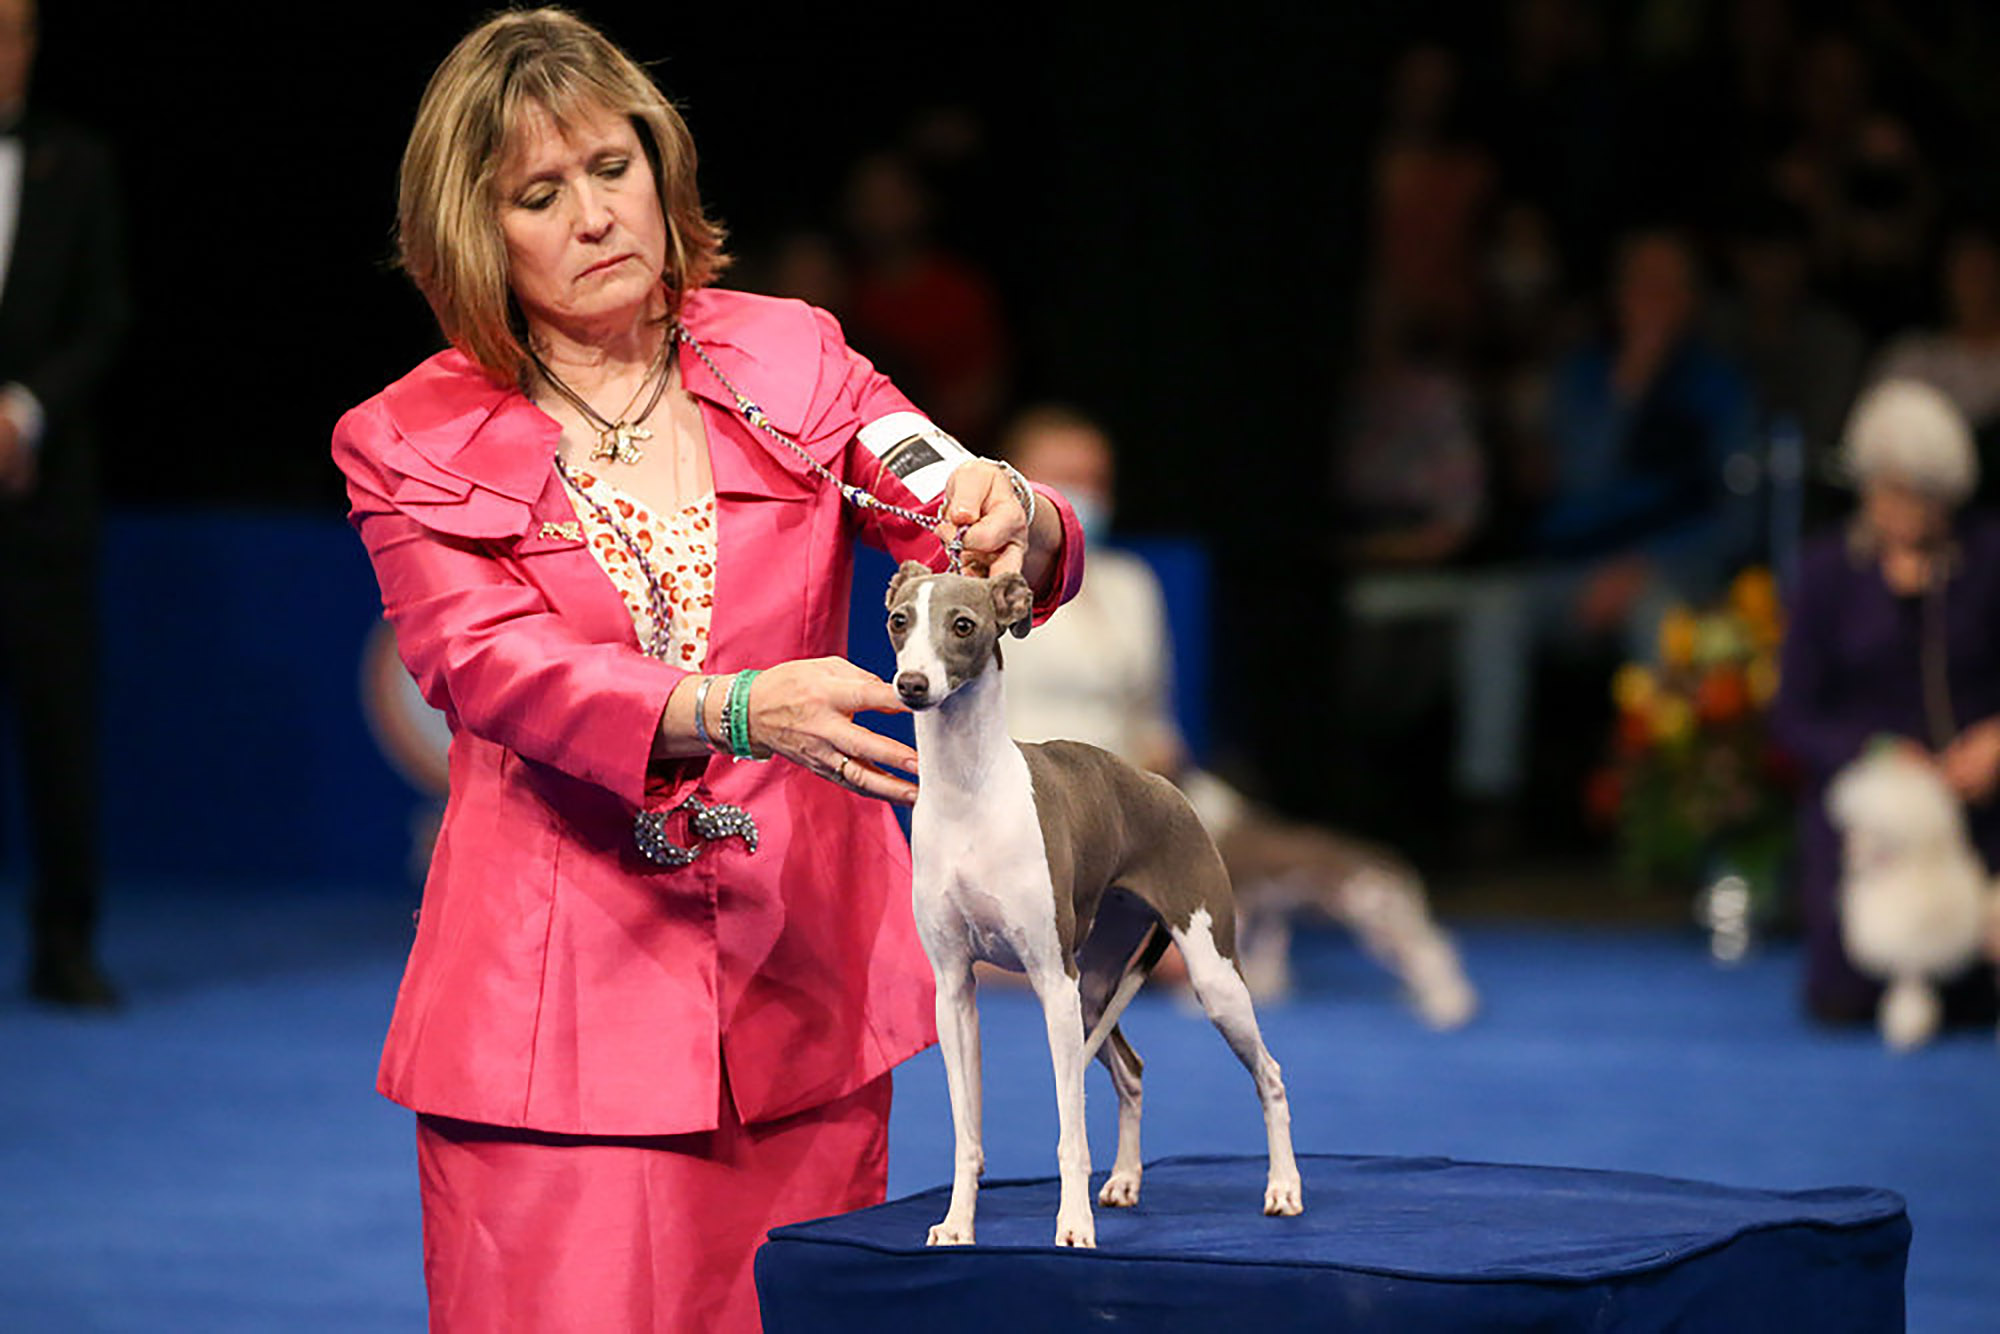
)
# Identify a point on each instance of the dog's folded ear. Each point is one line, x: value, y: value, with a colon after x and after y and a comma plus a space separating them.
x: 1013, y: 603
x: 908, y: 570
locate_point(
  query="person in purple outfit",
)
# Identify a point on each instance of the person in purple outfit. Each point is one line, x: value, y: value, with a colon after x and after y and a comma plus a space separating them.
x: 1893, y: 630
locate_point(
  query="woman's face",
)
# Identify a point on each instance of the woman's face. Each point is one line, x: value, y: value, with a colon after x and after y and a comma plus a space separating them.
x: 580, y: 214
x: 1901, y: 518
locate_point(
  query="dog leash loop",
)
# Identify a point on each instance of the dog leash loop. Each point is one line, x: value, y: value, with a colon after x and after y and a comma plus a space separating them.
x: 851, y: 493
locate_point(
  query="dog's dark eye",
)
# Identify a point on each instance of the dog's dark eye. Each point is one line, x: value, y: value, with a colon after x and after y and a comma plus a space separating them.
x: 963, y: 626
x: 899, y: 621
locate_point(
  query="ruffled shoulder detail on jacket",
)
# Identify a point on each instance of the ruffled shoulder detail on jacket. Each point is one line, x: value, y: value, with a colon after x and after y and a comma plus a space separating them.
x: 450, y: 449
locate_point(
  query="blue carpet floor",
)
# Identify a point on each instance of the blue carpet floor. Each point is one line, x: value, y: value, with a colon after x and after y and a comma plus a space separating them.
x: 213, y: 1158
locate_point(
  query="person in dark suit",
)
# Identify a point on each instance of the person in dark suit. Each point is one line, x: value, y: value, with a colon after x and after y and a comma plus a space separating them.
x: 62, y: 308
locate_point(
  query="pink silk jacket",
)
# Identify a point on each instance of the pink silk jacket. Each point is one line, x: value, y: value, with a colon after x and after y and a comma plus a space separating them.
x: 560, y: 981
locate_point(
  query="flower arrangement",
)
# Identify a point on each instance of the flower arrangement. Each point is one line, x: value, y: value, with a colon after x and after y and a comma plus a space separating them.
x: 1694, y: 785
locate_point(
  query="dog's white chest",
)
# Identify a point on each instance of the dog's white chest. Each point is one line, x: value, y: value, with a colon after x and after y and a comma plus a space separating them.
x: 982, y: 886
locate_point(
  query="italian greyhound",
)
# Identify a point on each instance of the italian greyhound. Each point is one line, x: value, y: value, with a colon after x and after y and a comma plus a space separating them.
x: 1061, y: 861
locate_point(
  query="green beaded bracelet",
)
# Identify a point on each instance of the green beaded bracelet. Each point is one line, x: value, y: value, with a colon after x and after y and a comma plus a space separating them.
x: 736, y: 714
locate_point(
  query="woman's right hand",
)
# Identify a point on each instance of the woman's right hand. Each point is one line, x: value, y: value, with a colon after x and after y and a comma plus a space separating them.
x: 804, y: 711
x: 1971, y: 764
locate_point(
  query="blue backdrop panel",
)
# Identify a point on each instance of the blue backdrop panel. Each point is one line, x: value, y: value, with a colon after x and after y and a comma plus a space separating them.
x: 234, y: 741
x: 1384, y: 1244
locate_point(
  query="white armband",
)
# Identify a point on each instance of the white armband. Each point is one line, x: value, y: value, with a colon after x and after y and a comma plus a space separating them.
x: 916, y: 450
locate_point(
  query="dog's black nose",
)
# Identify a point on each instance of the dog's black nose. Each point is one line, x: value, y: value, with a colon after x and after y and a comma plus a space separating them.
x: 913, y: 687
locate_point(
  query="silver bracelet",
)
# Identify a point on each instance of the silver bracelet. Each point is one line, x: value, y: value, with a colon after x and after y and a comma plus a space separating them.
x: 1024, y: 494
x: 700, y: 711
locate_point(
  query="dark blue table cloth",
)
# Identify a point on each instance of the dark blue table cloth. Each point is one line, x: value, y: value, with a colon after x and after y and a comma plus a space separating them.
x: 1384, y: 1244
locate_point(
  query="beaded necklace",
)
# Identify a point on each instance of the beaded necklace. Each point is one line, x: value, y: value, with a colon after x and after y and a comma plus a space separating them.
x: 852, y: 494
x: 711, y: 822
x: 656, y: 596
x: 617, y: 441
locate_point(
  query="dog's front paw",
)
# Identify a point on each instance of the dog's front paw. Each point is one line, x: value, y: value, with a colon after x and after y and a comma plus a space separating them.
x: 951, y: 1232
x: 1076, y: 1232
x: 1120, y: 1190
x: 1285, y: 1198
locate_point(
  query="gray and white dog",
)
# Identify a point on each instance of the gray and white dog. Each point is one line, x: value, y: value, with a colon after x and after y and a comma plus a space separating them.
x: 1064, y: 862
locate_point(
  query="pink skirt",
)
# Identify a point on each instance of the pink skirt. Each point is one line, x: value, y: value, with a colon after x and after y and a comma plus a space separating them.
x: 526, y: 1231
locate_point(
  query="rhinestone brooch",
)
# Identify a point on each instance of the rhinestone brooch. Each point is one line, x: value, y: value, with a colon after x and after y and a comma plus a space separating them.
x: 705, y: 821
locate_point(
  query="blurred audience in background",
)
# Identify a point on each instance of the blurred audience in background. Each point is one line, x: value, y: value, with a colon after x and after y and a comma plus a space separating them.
x: 1639, y: 429
x: 1961, y: 358
x: 1529, y: 316
x: 1802, y: 355
x: 1547, y: 425
x: 1856, y: 171
x: 1106, y: 676
x: 808, y: 265
x: 1551, y: 116
x: 1411, y: 471
x: 1432, y: 185
x: 924, y: 311
x: 930, y: 317
x: 1101, y: 672
x: 63, y: 308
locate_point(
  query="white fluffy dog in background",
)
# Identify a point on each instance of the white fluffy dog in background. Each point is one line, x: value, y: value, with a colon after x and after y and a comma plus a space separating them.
x: 1916, y: 904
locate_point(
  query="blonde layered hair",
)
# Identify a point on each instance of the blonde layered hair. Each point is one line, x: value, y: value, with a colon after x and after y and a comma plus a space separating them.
x: 447, y: 215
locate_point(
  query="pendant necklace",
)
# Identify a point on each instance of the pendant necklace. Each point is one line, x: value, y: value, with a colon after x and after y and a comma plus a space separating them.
x: 618, y: 441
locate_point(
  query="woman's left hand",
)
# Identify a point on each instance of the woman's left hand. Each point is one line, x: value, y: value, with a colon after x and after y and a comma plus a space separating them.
x: 981, y: 508
x: 1971, y: 764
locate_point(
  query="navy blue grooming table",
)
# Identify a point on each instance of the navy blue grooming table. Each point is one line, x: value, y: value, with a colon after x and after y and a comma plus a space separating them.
x: 1385, y: 1244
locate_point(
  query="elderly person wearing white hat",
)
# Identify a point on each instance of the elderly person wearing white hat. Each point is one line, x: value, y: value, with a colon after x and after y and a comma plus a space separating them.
x: 1894, y: 631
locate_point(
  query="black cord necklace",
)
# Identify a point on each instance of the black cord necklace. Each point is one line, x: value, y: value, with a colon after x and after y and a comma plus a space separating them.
x: 617, y: 441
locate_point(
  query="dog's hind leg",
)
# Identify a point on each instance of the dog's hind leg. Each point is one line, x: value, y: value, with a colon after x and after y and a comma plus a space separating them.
x: 1121, y: 1188
x: 1125, y: 942
x: 1226, y: 1000
x: 958, y: 1039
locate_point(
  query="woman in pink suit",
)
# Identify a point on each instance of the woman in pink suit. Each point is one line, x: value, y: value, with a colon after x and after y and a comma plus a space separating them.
x: 655, y: 993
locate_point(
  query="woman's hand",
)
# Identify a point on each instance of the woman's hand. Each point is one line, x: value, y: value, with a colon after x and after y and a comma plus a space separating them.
x: 804, y: 711
x: 982, y: 508
x: 1971, y: 764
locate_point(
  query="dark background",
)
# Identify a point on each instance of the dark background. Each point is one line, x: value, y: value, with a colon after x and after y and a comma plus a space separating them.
x: 1172, y: 201
x: 1173, y: 221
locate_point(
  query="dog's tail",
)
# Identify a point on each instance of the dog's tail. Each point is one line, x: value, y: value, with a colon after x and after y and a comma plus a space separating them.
x: 1144, y: 961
